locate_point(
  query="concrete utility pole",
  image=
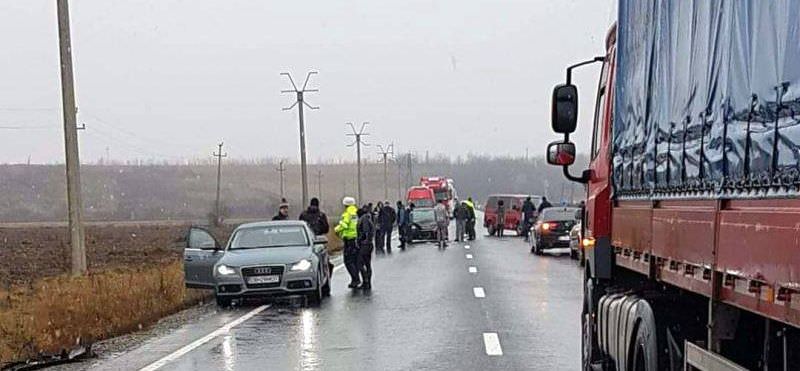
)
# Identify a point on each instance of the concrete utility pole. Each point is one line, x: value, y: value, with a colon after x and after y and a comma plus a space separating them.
x: 410, y: 163
x: 219, y: 155
x: 319, y: 185
x: 299, y: 102
x: 281, y: 169
x: 358, y: 134
x: 385, y: 153
x: 73, y: 163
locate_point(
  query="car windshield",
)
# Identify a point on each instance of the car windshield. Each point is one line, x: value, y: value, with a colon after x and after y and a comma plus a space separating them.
x: 422, y: 216
x: 269, y: 236
x: 559, y: 213
x: 422, y: 202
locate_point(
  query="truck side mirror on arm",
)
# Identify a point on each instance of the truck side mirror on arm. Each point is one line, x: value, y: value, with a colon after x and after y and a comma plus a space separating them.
x: 565, y: 108
x: 561, y: 153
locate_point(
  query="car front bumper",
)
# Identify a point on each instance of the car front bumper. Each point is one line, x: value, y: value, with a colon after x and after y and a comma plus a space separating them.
x: 290, y: 283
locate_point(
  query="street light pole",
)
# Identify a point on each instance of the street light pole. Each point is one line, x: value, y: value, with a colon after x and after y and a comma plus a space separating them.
x: 300, y: 102
x: 358, y: 134
x: 73, y: 163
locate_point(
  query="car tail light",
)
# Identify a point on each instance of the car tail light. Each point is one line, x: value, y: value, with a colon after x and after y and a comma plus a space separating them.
x: 587, y: 242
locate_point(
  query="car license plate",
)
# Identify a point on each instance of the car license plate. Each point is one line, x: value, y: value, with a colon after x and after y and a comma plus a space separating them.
x: 263, y: 279
x: 563, y: 238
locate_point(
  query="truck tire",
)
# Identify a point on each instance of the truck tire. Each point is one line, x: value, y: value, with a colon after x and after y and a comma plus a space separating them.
x: 644, y: 349
x: 589, y: 349
x: 491, y: 230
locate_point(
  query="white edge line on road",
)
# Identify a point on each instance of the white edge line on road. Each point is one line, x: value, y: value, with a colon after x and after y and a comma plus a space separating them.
x: 479, y: 292
x: 473, y: 269
x: 492, y: 344
x: 197, y: 343
x: 469, y: 256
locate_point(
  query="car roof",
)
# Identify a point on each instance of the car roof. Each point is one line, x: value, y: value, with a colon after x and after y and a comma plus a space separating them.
x: 513, y: 195
x: 298, y: 223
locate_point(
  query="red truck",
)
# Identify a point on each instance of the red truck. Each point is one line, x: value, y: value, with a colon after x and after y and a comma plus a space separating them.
x: 443, y: 189
x: 513, y: 215
x: 692, y: 219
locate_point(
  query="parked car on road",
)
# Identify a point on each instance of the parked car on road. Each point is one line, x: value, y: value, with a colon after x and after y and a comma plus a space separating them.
x: 552, y: 228
x: 513, y: 205
x: 423, y: 225
x: 262, y: 259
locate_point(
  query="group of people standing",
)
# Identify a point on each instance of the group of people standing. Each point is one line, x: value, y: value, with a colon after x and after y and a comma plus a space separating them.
x: 366, y: 229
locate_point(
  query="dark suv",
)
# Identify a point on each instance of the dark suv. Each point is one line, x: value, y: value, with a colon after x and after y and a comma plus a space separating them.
x: 551, y: 230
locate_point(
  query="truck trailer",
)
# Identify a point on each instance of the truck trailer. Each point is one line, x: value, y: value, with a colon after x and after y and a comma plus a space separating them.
x: 692, y: 218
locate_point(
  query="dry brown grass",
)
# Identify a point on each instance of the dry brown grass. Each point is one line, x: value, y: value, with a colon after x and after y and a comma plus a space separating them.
x: 57, y: 313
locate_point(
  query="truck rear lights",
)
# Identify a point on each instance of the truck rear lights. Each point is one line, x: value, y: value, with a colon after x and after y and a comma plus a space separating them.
x: 587, y: 242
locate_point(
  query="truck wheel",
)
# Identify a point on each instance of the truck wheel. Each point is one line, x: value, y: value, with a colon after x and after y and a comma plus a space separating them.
x: 645, y: 344
x: 491, y: 230
x: 589, y: 347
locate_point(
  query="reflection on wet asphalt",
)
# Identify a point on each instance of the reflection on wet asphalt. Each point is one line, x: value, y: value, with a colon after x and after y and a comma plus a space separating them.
x: 421, y: 314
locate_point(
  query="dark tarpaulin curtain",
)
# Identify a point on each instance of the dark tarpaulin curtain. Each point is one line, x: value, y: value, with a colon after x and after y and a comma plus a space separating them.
x: 707, y: 96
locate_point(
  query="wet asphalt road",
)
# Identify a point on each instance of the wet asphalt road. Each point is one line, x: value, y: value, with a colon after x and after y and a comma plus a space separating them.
x: 422, y: 314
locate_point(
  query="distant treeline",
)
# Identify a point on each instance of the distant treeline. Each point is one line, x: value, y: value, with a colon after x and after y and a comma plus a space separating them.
x: 252, y: 189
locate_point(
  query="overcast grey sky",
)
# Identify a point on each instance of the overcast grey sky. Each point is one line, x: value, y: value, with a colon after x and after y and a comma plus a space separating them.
x: 168, y: 79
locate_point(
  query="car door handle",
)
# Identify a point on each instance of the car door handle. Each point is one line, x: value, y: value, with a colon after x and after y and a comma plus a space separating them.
x: 187, y: 259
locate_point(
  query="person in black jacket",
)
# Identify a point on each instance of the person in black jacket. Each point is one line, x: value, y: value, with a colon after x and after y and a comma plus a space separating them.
x: 545, y: 204
x: 528, y: 215
x: 366, y: 231
x: 283, y: 211
x: 386, y: 219
x: 315, y: 218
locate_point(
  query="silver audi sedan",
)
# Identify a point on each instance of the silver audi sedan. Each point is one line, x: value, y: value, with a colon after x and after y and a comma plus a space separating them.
x: 275, y: 258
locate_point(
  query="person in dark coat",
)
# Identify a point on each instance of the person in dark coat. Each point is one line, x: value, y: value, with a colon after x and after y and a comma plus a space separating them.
x: 545, y: 204
x: 402, y: 224
x: 501, y: 218
x: 377, y: 213
x: 528, y: 215
x: 386, y: 219
x: 315, y: 218
x: 366, y: 231
x: 461, y: 215
x: 283, y: 211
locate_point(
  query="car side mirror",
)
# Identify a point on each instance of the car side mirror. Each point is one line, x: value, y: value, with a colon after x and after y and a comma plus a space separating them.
x: 565, y: 108
x: 320, y: 240
x: 561, y: 153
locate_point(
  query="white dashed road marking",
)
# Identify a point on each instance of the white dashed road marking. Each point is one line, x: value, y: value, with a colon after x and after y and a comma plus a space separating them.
x: 473, y: 269
x: 492, y: 344
x: 466, y: 247
x: 469, y: 256
x: 197, y: 343
x: 478, y: 291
